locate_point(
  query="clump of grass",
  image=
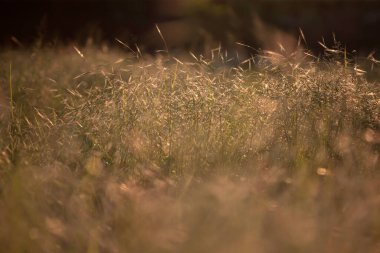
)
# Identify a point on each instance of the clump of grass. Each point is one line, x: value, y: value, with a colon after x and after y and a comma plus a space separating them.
x: 116, y: 152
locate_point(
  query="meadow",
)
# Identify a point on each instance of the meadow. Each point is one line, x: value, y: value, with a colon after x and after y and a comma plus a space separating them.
x: 110, y: 150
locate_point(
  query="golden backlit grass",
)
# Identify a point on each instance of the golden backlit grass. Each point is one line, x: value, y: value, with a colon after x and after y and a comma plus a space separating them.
x: 106, y: 151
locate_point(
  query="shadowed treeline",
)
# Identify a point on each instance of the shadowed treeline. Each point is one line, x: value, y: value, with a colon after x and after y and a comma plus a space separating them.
x: 191, y: 24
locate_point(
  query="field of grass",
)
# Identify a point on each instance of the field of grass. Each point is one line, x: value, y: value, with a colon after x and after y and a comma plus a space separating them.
x: 108, y: 151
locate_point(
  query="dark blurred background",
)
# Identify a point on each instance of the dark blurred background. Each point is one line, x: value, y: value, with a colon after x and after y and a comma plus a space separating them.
x: 191, y: 24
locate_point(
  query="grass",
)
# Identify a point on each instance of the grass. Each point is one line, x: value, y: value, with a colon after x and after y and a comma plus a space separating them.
x: 107, y: 151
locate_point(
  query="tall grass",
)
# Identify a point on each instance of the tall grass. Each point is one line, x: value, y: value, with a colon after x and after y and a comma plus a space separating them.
x: 115, y: 152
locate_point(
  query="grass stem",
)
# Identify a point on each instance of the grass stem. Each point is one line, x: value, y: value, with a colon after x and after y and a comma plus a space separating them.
x: 11, y: 91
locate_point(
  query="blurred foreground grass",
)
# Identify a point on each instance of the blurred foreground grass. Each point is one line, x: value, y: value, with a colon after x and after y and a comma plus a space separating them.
x: 103, y: 151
